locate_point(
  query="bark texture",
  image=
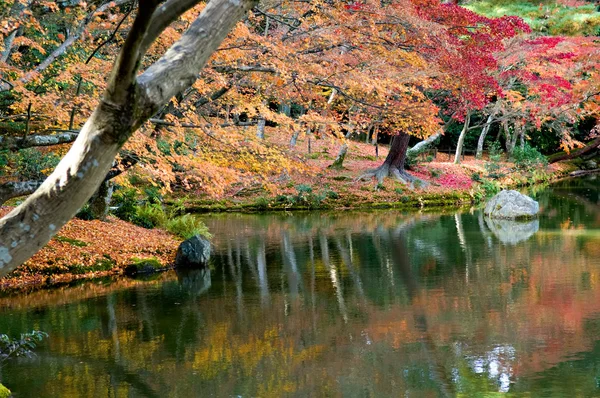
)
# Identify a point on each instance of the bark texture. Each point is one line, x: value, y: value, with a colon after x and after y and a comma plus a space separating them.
x: 393, y: 165
x: 128, y: 101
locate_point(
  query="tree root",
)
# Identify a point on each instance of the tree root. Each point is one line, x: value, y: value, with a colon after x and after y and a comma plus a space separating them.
x: 385, y: 170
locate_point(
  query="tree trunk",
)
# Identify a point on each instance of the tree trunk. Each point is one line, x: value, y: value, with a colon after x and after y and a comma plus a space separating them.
x: 260, y: 128
x: 15, y: 189
x: 294, y: 138
x: 393, y: 165
x: 99, y: 204
x: 130, y: 99
x: 574, y: 154
x: 482, y: 136
x: 422, y: 146
x: 461, y: 139
x: 339, y: 160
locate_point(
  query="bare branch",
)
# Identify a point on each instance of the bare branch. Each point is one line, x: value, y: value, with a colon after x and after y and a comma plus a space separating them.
x: 16, y: 143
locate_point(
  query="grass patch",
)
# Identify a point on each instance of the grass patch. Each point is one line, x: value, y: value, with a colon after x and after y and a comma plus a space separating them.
x: 72, y: 242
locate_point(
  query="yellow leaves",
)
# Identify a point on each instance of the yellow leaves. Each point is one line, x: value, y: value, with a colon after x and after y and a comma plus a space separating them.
x: 24, y: 41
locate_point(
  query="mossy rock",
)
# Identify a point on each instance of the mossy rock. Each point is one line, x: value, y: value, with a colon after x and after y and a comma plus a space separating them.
x: 144, y: 266
x: 4, y: 392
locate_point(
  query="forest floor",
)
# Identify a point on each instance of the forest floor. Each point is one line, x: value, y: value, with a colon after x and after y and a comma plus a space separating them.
x: 92, y: 249
x: 321, y: 187
x: 84, y: 250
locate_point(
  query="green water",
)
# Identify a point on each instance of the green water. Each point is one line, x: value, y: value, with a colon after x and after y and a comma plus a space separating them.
x: 356, y: 304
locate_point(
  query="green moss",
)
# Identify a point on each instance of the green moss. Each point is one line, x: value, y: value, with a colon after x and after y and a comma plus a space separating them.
x: 72, y: 242
x: 144, y: 266
x: 4, y: 392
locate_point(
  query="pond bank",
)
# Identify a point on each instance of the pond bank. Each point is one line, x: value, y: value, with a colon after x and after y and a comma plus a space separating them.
x: 445, y: 185
x: 87, y: 250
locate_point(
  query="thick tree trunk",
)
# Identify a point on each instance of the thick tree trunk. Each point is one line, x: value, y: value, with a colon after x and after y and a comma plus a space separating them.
x: 482, y: 136
x: 128, y: 102
x: 461, y: 138
x: 393, y: 165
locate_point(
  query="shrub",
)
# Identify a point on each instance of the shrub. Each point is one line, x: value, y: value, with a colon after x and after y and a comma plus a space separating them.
x: 126, y: 203
x: 528, y: 158
x: 476, y: 177
x: 492, y: 166
x: 490, y: 187
x: 150, y: 216
x: 187, y: 226
x: 31, y: 164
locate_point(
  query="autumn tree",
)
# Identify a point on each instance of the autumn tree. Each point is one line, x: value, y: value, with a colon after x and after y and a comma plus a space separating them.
x: 129, y: 100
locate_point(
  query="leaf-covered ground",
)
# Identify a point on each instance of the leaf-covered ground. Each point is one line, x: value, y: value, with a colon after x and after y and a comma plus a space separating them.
x: 341, y: 188
x: 91, y: 249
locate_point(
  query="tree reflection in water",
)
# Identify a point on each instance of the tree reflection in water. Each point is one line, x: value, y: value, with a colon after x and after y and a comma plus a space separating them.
x: 353, y: 304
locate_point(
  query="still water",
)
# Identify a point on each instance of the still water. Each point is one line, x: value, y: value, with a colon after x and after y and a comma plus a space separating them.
x: 356, y: 304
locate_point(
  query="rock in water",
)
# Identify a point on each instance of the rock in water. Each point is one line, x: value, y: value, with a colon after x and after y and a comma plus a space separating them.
x: 193, y: 253
x: 511, y: 205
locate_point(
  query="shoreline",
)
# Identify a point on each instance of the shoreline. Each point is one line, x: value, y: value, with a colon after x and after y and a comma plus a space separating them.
x: 159, y: 258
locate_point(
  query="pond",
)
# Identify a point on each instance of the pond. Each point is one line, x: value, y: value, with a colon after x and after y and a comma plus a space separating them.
x: 356, y: 304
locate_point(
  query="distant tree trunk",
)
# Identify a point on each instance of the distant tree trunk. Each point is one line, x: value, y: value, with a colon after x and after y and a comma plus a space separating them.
x: 338, y: 163
x: 294, y: 138
x: 424, y: 145
x: 260, y: 128
x: 393, y: 165
x: 461, y: 138
x: 100, y: 202
x: 482, y: 136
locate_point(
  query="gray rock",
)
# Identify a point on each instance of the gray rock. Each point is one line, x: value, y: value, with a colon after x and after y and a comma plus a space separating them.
x: 512, y: 232
x: 511, y: 205
x: 590, y: 165
x: 193, y: 253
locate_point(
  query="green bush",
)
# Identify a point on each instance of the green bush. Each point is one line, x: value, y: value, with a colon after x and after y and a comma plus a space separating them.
x: 490, y: 187
x: 150, y: 216
x: 126, y: 203
x: 31, y: 164
x: 528, y: 158
x: 493, y: 166
x: 476, y: 177
x: 187, y: 226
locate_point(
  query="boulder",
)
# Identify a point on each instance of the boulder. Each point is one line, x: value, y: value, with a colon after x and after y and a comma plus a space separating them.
x: 511, y: 205
x: 193, y: 253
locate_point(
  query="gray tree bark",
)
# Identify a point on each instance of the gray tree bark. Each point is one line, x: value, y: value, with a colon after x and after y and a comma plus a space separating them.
x: 130, y: 100
x: 461, y: 138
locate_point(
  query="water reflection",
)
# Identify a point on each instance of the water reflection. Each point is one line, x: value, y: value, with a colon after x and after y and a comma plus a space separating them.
x: 345, y: 304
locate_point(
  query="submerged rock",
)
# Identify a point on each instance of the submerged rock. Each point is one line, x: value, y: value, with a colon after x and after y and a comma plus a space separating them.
x: 193, y: 253
x: 511, y: 205
x: 512, y: 232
